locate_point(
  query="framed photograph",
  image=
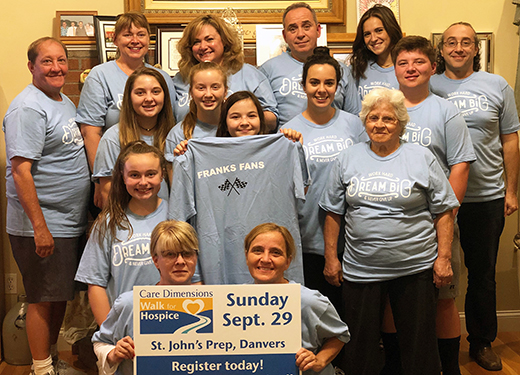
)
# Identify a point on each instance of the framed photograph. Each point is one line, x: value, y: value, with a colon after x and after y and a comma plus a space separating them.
x: 248, y: 11
x: 166, y: 48
x: 75, y: 27
x: 104, y: 29
x: 486, y: 49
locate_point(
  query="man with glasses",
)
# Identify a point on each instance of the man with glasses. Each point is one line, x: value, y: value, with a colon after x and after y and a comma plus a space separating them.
x: 487, y: 104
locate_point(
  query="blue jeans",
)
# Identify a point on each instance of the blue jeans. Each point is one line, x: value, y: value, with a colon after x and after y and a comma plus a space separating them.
x: 481, y: 225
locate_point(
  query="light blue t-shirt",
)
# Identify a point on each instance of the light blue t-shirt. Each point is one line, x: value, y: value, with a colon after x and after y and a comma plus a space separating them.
x: 119, y: 265
x: 285, y: 75
x: 436, y: 124
x: 119, y: 324
x: 487, y: 104
x: 322, y: 144
x: 248, y: 78
x: 176, y: 136
x: 377, y: 78
x: 107, y: 153
x: 102, y: 95
x: 388, y: 203
x: 320, y: 321
x: 227, y: 186
x: 44, y: 130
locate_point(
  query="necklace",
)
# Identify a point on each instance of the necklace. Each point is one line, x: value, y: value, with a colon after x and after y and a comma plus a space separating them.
x: 148, y: 129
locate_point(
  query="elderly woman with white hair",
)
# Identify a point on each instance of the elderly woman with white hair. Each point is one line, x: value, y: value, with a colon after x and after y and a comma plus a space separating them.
x: 397, y: 204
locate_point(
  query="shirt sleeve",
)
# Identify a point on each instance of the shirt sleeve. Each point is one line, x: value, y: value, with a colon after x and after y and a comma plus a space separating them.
x: 25, y: 134
x: 94, y: 101
x: 106, y: 155
x: 182, y: 198
x: 94, y: 266
x: 441, y: 197
x: 459, y: 147
x: 351, y: 100
x: 508, y: 114
x: 262, y: 89
x: 333, y: 196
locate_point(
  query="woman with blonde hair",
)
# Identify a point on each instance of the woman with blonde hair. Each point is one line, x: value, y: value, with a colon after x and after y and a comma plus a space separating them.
x: 208, y: 88
x: 209, y: 38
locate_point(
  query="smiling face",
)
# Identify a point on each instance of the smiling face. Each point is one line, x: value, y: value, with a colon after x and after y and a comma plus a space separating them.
x: 459, y: 59
x: 301, y: 33
x: 413, y: 69
x: 382, y: 126
x: 50, y: 69
x: 267, y: 258
x: 320, y: 85
x: 147, y: 97
x: 142, y: 176
x: 376, y: 38
x: 208, y: 90
x: 175, y: 266
x: 133, y: 43
x: 207, y: 45
x: 242, y: 119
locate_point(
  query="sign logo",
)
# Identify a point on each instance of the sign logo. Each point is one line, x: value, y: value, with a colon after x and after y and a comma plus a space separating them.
x: 176, y: 315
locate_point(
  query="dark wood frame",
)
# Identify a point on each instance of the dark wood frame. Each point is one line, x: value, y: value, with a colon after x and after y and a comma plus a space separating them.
x: 74, y: 39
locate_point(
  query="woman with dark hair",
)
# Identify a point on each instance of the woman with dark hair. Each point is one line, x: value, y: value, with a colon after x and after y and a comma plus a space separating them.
x: 102, y: 94
x: 326, y: 131
x: 371, y: 61
x: 209, y: 38
x: 146, y: 114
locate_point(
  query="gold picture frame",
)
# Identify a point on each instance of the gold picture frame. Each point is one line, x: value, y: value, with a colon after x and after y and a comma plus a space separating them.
x: 258, y: 11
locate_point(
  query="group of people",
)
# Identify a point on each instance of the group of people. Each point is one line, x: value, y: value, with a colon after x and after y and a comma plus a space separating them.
x: 73, y: 28
x: 360, y: 196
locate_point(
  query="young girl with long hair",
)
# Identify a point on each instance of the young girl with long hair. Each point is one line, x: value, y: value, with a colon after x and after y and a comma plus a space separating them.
x: 146, y: 114
x: 371, y: 62
x: 208, y: 89
x: 117, y: 255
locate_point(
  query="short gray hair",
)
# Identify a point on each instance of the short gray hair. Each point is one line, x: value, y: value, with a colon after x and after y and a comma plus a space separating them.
x: 393, y: 97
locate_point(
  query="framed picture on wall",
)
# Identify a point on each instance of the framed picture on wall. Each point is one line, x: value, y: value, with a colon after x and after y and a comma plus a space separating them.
x: 104, y: 30
x: 166, y: 48
x: 75, y: 27
x: 486, y: 49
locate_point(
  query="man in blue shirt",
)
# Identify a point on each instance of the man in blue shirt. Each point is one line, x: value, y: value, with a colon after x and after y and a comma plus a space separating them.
x: 487, y: 104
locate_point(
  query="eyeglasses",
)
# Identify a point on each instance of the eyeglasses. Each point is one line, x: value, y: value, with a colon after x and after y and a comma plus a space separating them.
x: 464, y: 43
x: 387, y: 120
x: 186, y: 254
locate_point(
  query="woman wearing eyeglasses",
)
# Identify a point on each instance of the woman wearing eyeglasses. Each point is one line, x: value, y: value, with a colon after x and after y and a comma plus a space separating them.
x: 397, y: 205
